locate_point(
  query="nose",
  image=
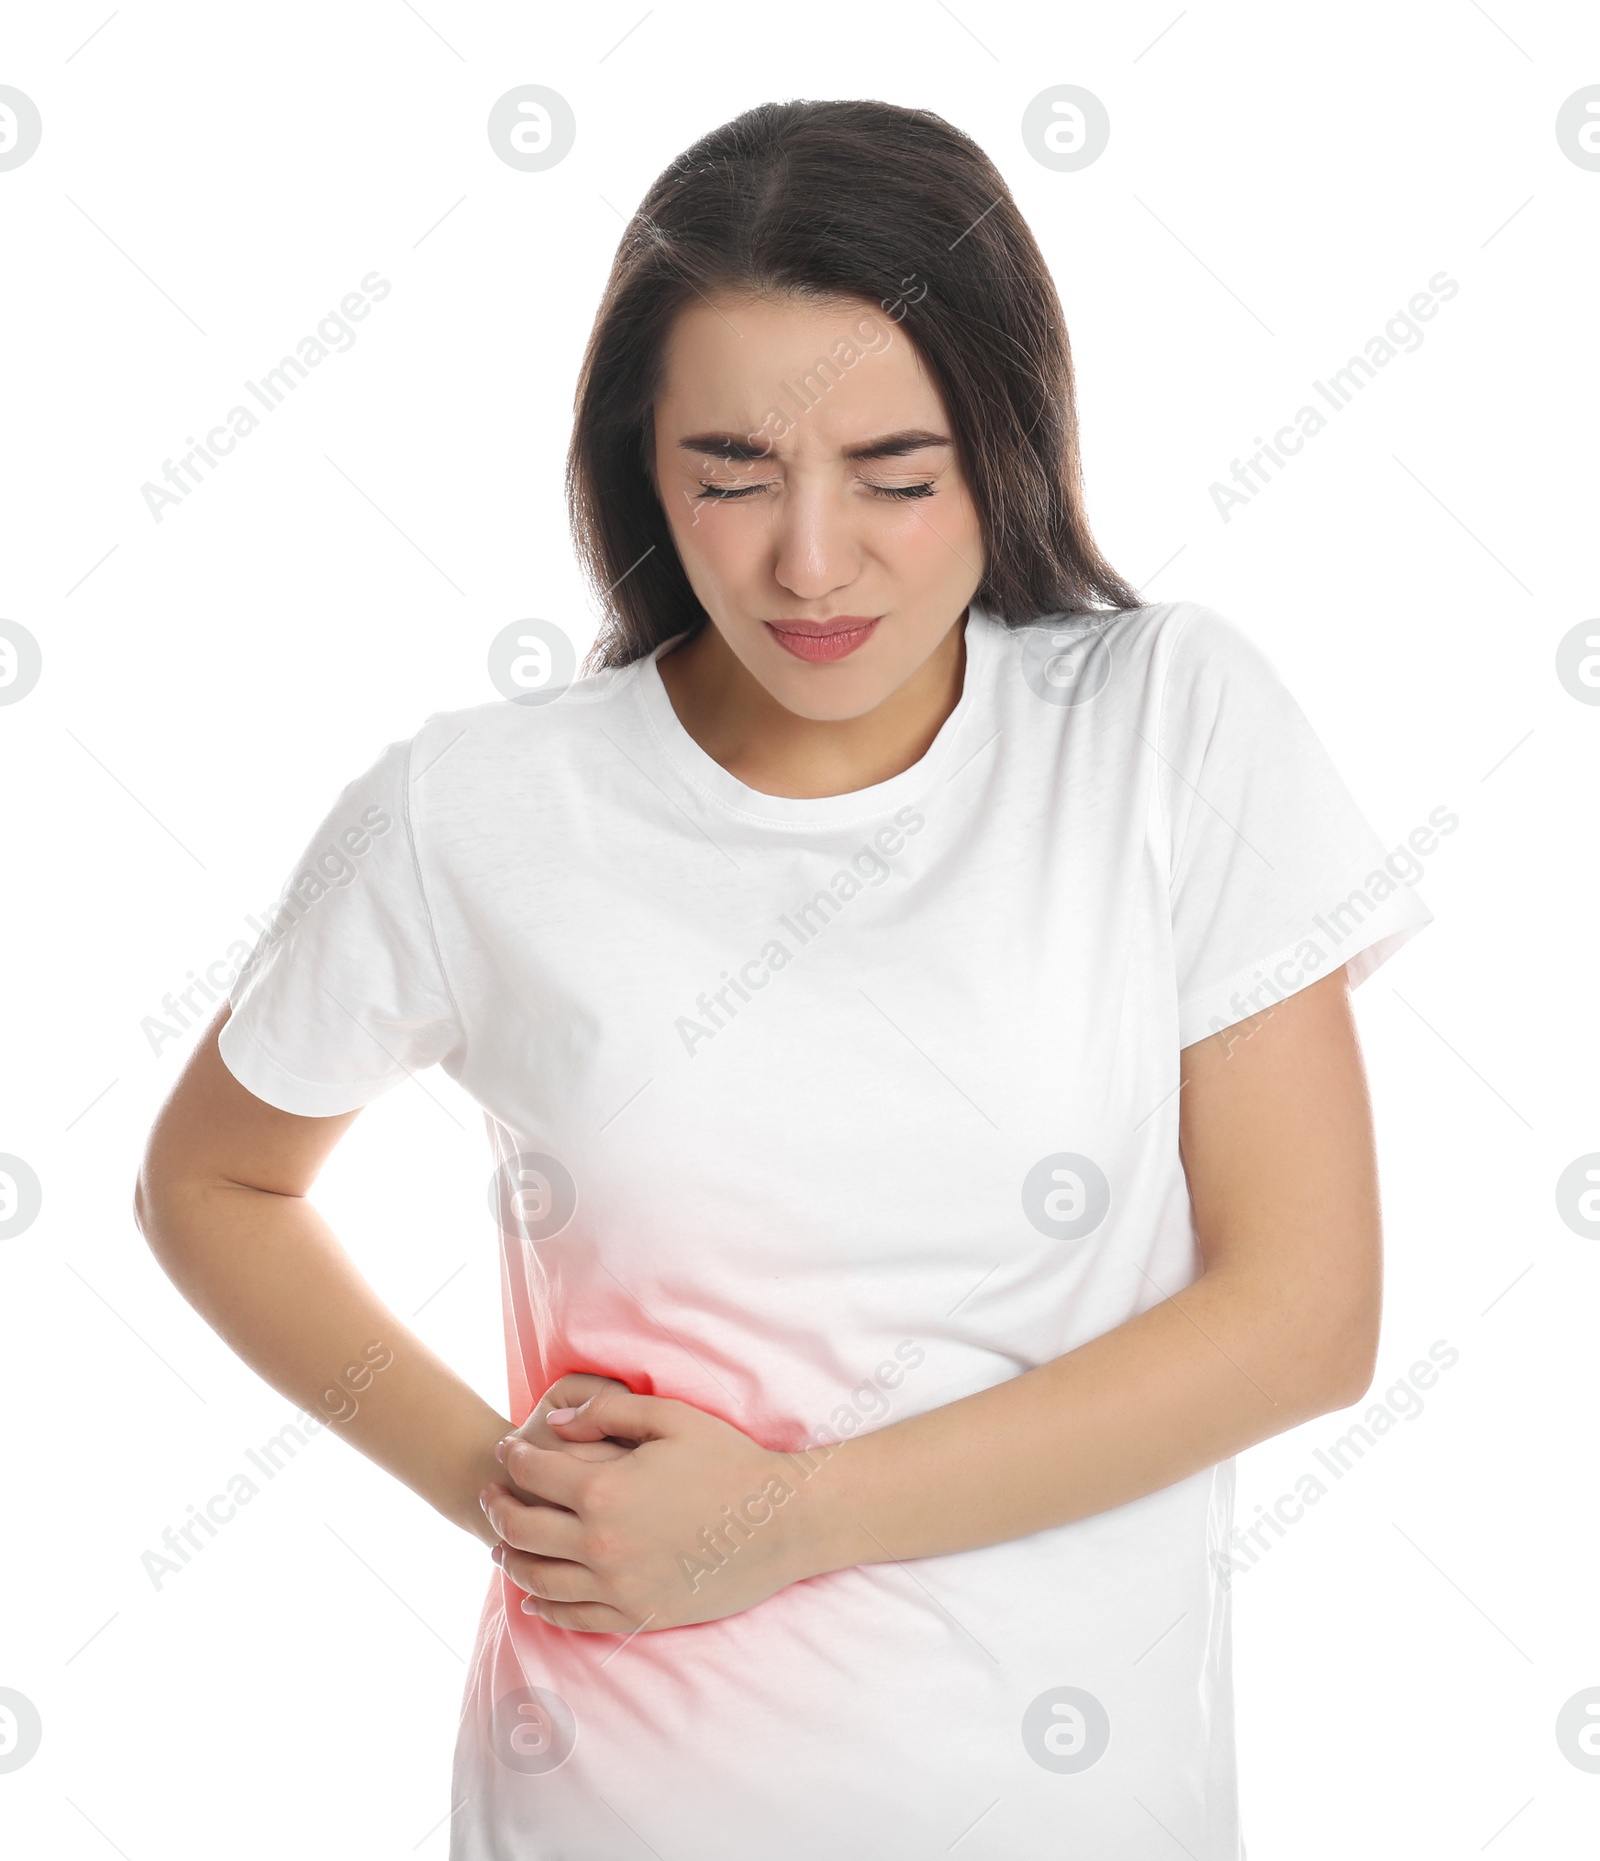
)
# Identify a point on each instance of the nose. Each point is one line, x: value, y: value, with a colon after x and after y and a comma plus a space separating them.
x: 815, y: 548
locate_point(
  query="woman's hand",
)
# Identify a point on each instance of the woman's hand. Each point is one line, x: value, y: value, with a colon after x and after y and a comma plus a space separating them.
x: 577, y: 1386
x: 696, y: 1522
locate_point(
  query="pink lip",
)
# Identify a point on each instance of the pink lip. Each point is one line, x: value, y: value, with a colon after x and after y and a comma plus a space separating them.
x: 820, y: 641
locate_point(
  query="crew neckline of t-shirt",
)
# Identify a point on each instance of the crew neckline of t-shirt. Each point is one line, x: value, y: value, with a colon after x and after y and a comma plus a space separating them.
x: 706, y: 775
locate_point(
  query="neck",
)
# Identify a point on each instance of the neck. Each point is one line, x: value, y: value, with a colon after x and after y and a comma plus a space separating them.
x: 739, y: 724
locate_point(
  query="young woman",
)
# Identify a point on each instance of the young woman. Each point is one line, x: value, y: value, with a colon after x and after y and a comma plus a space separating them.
x: 906, y: 982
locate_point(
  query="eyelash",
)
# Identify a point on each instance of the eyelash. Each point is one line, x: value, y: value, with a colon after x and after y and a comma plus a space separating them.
x: 723, y: 494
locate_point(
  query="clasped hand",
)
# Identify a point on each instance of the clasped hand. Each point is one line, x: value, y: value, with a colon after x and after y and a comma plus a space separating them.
x: 649, y: 1513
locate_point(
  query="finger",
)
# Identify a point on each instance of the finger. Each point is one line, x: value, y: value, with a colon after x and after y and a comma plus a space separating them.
x: 588, y: 1618
x: 575, y: 1424
x: 502, y: 1453
x: 620, y: 1412
x: 553, y: 1443
x: 547, y: 1529
x: 574, y: 1387
x: 550, y: 1473
x: 605, y: 1449
x: 550, y: 1579
x: 537, y: 1427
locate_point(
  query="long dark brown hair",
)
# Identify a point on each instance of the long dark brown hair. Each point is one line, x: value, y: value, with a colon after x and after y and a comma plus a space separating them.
x: 859, y: 200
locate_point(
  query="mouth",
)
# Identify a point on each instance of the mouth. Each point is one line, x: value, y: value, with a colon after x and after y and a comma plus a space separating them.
x: 821, y: 641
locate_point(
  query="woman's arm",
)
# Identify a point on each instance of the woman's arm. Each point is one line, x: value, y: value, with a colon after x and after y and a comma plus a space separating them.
x: 221, y: 1199
x: 1277, y: 1143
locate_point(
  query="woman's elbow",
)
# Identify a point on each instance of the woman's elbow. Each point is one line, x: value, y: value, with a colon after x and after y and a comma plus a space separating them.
x: 1348, y: 1361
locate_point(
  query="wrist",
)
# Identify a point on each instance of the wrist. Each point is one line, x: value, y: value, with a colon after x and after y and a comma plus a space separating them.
x: 819, y: 1532
x: 461, y: 1505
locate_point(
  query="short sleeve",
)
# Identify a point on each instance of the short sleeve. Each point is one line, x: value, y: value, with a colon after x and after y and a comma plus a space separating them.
x: 1277, y: 878
x: 344, y: 994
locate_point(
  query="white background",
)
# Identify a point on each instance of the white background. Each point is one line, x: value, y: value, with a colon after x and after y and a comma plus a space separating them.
x: 1279, y: 181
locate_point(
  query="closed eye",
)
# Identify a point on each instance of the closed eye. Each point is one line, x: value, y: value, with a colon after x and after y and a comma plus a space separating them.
x: 724, y: 492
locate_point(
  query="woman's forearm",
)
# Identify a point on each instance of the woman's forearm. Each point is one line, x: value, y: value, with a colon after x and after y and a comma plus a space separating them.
x: 268, y: 1275
x: 1182, y: 1386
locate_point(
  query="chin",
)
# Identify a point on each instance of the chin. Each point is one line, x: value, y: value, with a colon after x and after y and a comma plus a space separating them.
x: 829, y: 700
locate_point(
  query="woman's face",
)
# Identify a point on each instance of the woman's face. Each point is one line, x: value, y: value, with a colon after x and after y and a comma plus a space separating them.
x: 781, y: 522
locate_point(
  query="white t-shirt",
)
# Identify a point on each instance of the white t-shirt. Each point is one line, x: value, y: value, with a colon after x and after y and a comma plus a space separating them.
x: 818, y: 1114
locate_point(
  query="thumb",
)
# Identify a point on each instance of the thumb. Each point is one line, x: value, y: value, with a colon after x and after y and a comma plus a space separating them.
x: 616, y: 1412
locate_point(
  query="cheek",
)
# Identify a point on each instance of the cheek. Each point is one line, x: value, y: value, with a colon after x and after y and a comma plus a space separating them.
x: 937, y: 537
x: 721, y: 555
x: 679, y: 503
x: 712, y: 534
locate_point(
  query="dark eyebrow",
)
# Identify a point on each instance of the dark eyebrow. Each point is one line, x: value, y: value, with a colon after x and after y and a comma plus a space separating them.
x: 889, y: 446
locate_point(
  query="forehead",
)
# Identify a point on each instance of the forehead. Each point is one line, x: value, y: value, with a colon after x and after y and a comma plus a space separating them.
x: 837, y: 370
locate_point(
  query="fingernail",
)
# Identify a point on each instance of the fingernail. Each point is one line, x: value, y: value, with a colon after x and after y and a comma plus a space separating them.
x: 500, y: 1452
x: 499, y: 1553
x: 485, y: 1496
x: 560, y: 1415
